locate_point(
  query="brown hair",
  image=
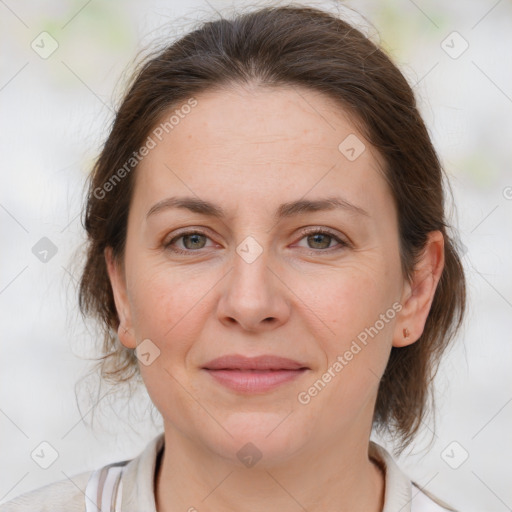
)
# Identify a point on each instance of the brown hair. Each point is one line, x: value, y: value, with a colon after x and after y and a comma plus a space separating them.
x: 297, y: 46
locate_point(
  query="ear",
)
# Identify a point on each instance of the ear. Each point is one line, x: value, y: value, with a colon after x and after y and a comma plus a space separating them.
x: 418, y: 294
x: 118, y: 282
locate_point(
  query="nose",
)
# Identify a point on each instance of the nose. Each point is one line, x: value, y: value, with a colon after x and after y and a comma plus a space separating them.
x: 254, y: 296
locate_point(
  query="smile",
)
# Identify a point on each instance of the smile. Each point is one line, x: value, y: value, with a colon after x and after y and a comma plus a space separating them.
x: 254, y: 374
x: 254, y: 381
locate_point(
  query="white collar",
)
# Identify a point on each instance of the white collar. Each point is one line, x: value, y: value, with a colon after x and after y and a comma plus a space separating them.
x: 400, y: 495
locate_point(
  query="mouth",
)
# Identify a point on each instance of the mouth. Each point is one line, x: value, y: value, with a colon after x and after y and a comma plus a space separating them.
x: 254, y: 374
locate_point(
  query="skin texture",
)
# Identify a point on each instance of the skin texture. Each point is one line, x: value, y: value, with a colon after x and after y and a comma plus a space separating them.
x: 250, y: 149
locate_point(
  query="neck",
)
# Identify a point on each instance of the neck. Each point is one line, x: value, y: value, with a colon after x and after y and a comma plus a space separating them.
x: 323, y: 477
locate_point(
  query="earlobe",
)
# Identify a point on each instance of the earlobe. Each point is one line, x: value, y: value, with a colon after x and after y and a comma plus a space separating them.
x: 419, y: 293
x: 118, y: 284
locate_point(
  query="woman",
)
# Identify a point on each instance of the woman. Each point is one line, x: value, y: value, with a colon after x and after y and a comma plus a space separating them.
x: 268, y: 248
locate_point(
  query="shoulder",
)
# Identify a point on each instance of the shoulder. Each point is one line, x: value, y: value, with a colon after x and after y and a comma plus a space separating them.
x: 83, y: 492
x: 66, y: 495
x: 401, y: 493
x: 424, y: 501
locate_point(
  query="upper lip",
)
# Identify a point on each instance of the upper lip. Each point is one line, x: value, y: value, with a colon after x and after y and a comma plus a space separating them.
x: 263, y: 362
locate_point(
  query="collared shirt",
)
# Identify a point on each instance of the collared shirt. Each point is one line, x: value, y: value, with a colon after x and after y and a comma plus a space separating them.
x: 128, y: 486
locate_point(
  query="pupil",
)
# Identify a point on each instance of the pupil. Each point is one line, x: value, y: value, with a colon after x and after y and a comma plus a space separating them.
x: 193, y: 237
x: 318, y: 238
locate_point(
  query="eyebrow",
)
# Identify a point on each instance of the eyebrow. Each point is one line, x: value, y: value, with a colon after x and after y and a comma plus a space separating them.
x: 285, y: 210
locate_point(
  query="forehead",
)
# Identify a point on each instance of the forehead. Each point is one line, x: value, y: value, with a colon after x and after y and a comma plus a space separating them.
x: 261, y: 146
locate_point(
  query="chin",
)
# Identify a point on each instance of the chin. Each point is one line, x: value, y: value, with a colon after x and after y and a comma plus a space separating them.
x: 262, y: 436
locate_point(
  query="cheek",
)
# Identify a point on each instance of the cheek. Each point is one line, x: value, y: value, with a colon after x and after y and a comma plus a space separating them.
x: 352, y: 299
x: 165, y: 304
x: 358, y: 308
x: 356, y: 346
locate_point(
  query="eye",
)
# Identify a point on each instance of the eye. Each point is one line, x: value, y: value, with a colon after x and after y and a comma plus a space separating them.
x: 320, y: 239
x: 190, y: 240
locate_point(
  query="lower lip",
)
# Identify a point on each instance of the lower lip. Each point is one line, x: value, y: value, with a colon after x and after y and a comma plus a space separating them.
x: 254, y: 381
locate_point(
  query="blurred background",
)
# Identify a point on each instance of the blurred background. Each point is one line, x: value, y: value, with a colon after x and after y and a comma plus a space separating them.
x: 62, y: 70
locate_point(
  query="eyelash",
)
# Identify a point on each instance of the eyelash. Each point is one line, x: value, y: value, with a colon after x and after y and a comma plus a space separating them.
x: 305, y: 233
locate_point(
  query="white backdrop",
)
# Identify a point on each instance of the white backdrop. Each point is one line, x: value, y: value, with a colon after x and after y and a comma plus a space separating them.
x: 60, y: 66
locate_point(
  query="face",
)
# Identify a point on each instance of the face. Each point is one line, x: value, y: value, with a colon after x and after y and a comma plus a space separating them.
x: 246, y: 271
